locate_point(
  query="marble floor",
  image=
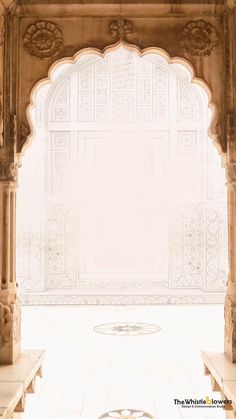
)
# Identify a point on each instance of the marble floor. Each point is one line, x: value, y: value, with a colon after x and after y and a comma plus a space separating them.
x: 87, y: 374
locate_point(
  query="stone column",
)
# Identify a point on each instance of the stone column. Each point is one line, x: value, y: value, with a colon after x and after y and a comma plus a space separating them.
x: 230, y: 299
x: 230, y: 165
x: 9, y: 303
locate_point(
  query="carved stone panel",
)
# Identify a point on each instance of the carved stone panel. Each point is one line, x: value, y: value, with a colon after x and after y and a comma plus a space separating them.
x: 187, y: 244
x: 109, y: 125
x: 61, y: 247
x: 30, y: 246
x: 216, y: 250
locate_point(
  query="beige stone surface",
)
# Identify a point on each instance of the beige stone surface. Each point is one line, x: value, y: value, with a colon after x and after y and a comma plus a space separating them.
x: 223, y: 373
x: 15, y: 380
x: 202, y: 33
x: 24, y: 369
x: 10, y: 393
x: 199, y: 33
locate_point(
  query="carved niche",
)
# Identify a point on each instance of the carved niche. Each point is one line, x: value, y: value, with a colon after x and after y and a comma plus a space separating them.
x: 43, y: 39
x: 199, y: 38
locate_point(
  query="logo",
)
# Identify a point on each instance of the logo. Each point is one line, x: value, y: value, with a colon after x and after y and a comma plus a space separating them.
x: 206, y: 402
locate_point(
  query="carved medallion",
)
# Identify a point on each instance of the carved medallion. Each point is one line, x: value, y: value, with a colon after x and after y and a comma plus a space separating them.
x: 120, y: 28
x: 199, y: 38
x: 126, y: 414
x: 8, y: 170
x: 2, y: 30
x: 43, y: 39
x: 127, y: 329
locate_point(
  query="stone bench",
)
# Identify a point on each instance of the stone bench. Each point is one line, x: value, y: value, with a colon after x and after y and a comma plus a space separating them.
x: 223, y: 378
x: 17, y: 380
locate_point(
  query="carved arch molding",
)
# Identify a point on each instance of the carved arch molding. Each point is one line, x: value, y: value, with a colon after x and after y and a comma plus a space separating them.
x: 37, y: 39
x: 44, y: 42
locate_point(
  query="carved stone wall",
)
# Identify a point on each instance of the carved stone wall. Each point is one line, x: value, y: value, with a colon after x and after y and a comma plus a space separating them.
x: 74, y: 118
x: 199, y: 40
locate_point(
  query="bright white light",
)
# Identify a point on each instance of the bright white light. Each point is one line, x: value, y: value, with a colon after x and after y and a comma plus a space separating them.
x: 121, y: 182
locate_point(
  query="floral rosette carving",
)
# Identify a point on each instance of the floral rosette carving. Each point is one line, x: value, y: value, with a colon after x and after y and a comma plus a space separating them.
x: 120, y: 28
x: 199, y: 38
x: 43, y: 39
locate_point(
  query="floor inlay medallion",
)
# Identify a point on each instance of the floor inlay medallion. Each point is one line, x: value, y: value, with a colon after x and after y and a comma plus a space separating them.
x: 126, y: 414
x: 127, y: 329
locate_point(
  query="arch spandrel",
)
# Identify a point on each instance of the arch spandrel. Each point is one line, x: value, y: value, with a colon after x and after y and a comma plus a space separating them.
x: 169, y: 37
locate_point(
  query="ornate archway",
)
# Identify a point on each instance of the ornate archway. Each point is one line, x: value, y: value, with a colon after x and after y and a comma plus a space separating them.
x: 135, y: 94
x: 201, y: 34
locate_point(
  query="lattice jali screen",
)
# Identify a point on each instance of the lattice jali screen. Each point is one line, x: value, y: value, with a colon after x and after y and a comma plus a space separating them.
x: 122, y: 192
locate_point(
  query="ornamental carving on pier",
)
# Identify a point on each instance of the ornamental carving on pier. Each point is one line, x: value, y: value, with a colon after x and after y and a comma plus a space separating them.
x: 24, y: 131
x: 230, y: 135
x: 8, y: 170
x: 13, y: 128
x: 199, y: 38
x: 230, y: 320
x: 2, y: 30
x: 6, y: 324
x: 10, y: 323
x: 43, y: 39
x: 16, y: 308
x: 1, y: 121
x: 231, y: 173
x: 120, y: 29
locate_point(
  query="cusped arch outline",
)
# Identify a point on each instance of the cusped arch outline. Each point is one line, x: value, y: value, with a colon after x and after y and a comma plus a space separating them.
x: 212, y: 129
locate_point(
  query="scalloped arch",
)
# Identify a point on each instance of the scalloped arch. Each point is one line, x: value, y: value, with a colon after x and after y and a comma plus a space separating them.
x: 212, y: 129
